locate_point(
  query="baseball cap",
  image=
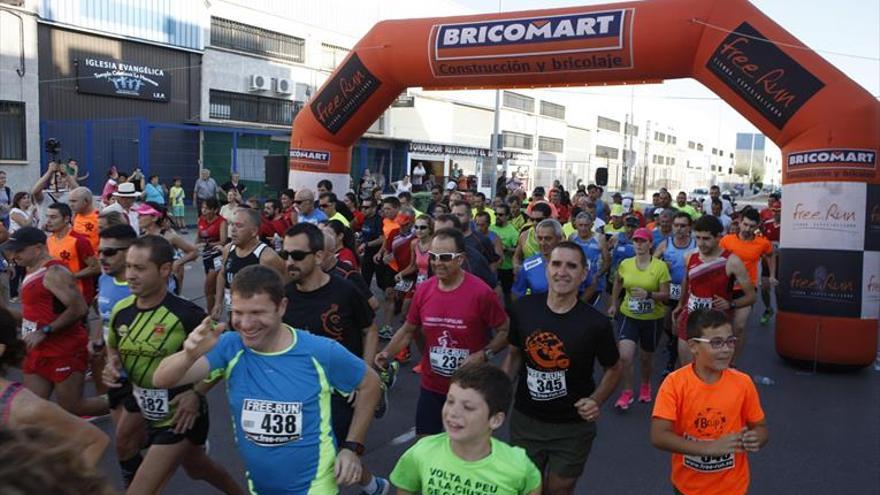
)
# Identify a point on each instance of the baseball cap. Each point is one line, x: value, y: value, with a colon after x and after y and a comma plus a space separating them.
x: 145, y: 209
x: 631, y: 222
x: 643, y: 234
x: 402, y: 219
x: 22, y: 238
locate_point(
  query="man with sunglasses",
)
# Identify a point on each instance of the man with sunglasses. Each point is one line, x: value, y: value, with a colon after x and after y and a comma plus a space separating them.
x: 112, y: 287
x: 474, y: 261
x: 371, y: 236
x: 454, y: 311
x: 245, y: 249
x: 709, y: 279
x: 327, y: 204
x: 327, y: 305
x: 304, y: 202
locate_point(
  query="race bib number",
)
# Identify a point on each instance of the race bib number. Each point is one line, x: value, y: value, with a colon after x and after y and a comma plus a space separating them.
x: 271, y: 423
x: 675, y: 291
x: 445, y: 360
x: 404, y: 285
x: 218, y: 263
x: 708, y: 463
x: 546, y: 385
x: 27, y: 327
x: 154, y: 403
x: 641, y: 306
x: 697, y: 303
x: 227, y: 299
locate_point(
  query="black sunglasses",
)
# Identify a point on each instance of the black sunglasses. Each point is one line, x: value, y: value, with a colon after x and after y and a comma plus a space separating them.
x: 108, y: 252
x: 421, y: 227
x: 324, y: 206
x: 295, y: 255
x: 297, y: 201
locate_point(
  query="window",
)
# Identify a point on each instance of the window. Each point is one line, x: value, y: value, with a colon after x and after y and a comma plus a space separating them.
x: 608, y: 124
x: 332, y: 56
x: 657, y: 160
x: 714, y: 151
x: 631, y: 130
x: 659, y: 136
x: 699, y: 147
x: 692, y: 145
x: 720, y: 152
x: 519, y: 102
x: 550, y: 144
x: 252, y: 108
x: 516, y: 140
x: 552, y: 110
x: 606, y: 152
x: 241, y: 37
x: 629, y: 156
x: 671, y: 139
x: 672, y: 160
x: 13, y: 142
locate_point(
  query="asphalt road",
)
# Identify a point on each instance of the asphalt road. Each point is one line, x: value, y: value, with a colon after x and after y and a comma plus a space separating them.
x: 824, y: 431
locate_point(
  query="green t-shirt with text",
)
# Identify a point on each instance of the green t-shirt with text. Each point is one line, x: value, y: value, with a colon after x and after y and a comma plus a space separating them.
x: 649, y: 279
x: 431, y: 468
x: 509, y: 236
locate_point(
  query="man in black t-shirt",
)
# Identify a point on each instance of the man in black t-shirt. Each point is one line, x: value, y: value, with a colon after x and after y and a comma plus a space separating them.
x: 333, y: 265
x: 554, y: 341
x: 325, y: 304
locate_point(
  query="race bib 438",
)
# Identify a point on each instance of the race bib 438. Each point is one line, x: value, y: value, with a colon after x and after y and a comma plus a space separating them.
x: 271, y: 423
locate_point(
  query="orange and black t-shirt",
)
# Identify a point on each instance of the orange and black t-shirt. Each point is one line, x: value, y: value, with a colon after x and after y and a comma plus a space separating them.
x: 749, y: 252
x: 86, y: 225
x: 703, y: 412
x: 73, y: 250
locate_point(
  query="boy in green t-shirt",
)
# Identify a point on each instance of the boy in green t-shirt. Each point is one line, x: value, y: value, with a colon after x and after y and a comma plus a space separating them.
x: 466, y: 459
x: 175, y: 195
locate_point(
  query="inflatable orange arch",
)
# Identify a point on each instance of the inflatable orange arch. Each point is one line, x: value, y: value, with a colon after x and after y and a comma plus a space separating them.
x: 827, y: 126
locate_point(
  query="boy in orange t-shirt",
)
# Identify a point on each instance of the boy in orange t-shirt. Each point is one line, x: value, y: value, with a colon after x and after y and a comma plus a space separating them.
x: 709, y: 415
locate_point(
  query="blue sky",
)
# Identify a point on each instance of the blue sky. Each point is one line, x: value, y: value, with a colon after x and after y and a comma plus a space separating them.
x: 841, y: 26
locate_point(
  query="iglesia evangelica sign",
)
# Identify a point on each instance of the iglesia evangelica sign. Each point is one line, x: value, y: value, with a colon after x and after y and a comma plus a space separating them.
x: 110, y: 77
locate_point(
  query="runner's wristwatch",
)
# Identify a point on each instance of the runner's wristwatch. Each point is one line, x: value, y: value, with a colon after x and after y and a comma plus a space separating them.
x: 488, y: 352
x: 357, y: 448
x: 46, y: 329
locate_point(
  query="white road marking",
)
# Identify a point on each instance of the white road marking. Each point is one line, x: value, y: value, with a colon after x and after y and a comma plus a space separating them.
x: 404, y: 437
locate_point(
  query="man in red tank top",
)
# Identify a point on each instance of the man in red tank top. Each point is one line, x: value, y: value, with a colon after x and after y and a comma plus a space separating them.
x: 52, y: 311
x: 708, y: 282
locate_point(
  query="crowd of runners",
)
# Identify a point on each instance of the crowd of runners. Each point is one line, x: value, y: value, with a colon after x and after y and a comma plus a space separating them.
x: 504, y: 306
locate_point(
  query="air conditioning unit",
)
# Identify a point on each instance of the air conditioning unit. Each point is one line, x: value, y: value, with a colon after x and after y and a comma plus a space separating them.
x: 259, y: 83
x: 303, y: 92
x: 283, y: 86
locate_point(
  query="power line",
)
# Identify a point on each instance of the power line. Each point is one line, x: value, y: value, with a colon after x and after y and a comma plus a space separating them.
x: 780, y: 43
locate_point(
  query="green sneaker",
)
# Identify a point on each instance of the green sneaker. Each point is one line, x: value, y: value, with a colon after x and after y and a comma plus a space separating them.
x: 765, y: 318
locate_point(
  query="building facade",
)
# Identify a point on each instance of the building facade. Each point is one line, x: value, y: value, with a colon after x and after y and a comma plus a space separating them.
x: 19, y: 97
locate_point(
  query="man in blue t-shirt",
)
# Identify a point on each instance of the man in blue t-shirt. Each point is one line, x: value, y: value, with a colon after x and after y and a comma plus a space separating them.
x: 278, y: 383
x: 532, y: 277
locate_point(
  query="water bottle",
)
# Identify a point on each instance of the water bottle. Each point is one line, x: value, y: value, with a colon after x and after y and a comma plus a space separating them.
x: 764, y: 380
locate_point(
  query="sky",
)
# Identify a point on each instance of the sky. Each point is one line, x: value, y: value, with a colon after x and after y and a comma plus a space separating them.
x: 832, y: 28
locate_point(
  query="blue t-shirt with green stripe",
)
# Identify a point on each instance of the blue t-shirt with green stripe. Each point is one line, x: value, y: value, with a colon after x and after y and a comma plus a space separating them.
x: 280, y: 405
